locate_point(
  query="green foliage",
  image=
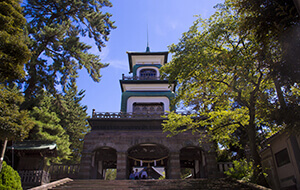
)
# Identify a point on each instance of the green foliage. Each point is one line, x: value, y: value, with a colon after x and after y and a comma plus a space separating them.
x: 221, y: 75
x: 14, y: 124
x: 176, y: 121
x: 73, y: 118
x: 57, y: 30
x: 47, y: 128
x: 13, y: 50
x: 9, y: 178
x: 276, y: 27
x: 242, y: 170
x: 111, y: 174
x: 224, y: 155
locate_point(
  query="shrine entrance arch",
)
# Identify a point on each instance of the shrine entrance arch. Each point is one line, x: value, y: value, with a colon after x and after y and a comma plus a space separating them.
x: 152, y: 156
x: 192, y: 158
x: 103, y: 158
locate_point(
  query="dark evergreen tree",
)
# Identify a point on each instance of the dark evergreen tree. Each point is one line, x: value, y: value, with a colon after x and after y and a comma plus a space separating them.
x: 13, y: 50
x: 14, y: 124
x: 56, y: 30
x: 48, y: 128
x: 73, y: 118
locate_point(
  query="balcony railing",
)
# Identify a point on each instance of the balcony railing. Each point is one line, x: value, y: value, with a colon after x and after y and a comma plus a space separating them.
x: 131, y: 115
x: 140, y: 77
x: 59, y: 171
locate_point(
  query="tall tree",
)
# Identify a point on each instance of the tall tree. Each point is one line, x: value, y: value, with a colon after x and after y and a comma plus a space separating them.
x: 13, y: 50
x: 73, y: 118
x: 47, y: 127
x: 221, y: 76
x: 276, y: 26
x: 56, y: 30
x: 14, y: 124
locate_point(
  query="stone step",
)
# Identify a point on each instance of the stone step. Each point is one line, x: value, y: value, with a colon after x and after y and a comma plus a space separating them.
x: 188, y: 184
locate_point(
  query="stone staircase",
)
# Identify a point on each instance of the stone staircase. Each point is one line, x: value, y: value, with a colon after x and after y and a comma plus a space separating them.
x: 207, y: 184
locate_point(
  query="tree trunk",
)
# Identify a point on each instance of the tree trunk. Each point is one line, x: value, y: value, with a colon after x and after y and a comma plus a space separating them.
x: 2, y: 154
x: 279, y: 94
x: 258, y: 176
x: 297, y: 5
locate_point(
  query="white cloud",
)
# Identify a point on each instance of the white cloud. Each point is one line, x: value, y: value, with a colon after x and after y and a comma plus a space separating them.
x: 168, y: 24
x: 118, y: 64
x: 173, y: 24
x: 104, y: 53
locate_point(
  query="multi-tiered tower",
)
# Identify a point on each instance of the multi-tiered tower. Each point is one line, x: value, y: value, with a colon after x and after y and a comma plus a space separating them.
x: 134, y: 136
x: 145, y: 92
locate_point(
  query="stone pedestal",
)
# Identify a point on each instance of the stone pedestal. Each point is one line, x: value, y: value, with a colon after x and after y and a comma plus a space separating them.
x: 121, y: 165
x: 211, y: 163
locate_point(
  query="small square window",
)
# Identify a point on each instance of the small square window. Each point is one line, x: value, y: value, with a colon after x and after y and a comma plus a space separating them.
x: 282, y: 157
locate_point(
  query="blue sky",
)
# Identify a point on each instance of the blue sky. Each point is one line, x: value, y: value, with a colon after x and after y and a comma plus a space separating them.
x: 166, y: 20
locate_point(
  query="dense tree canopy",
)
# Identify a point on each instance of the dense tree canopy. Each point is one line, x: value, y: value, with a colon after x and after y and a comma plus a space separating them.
x: 221, y: 75
x: 276, y: 26
x: 13, y: 50
x: 14, y: 124
x: 73, y: 118
x: 56, y: 30
x: 48, y: 128
x: 61, y: 119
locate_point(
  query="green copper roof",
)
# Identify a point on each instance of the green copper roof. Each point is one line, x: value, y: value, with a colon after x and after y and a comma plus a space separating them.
x: 147, y: 49
x: 33, y: 145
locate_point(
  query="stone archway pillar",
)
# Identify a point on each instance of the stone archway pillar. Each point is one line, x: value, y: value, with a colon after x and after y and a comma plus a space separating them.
x: 121, y: 165
x: 211, y: 163
x: 85, y: 165
x: 174, y: 166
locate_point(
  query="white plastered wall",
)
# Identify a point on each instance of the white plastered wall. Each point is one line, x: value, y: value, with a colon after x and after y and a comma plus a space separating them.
x: 146, y: 59
x: 147, y: 99
x: 148, y: 87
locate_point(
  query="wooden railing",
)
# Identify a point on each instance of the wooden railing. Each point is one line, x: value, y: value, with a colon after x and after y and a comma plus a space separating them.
x: 120, y: 115
x: 130, y: 115
x: 140, y: 78
x: 34, y: 177
x: 59, y: 171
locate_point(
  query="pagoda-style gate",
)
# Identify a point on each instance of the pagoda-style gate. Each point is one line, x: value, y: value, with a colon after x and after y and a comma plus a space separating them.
x: 134, y: 137
x: 123, y: 143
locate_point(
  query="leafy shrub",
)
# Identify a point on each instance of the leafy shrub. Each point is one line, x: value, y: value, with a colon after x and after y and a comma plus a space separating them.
x: 242, y: 170
x: 9, y: 178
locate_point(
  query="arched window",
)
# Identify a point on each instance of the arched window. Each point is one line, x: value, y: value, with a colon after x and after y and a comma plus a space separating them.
x: 148, y: 74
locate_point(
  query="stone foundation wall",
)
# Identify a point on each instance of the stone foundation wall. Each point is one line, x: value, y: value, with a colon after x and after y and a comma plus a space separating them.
x: 121, y: 141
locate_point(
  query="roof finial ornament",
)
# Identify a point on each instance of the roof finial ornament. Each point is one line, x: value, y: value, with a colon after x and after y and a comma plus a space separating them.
x: 148, y: 48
